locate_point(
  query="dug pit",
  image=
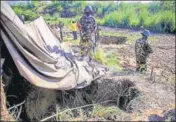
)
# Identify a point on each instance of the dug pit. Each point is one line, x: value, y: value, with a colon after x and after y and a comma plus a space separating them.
x: 113, y: 39
x: 40, y: 103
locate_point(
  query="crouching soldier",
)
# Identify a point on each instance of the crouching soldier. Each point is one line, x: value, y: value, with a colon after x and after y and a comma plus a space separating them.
x: 142, y: 51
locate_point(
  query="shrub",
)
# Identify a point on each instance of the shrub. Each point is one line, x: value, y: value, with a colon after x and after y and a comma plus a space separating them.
x: 158, y: 16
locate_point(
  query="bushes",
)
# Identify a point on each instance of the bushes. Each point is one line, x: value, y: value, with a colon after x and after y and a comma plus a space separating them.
x: 29, y: 15
x: 157, y: 16
x: 150, y: 16
x: 168, y: 21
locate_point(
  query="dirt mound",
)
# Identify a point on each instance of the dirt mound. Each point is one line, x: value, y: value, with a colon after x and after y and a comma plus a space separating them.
x: 112, y: 40
x: 41, y: 103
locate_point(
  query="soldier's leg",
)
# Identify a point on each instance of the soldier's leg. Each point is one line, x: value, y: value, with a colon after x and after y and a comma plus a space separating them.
x: 137, y: 65
x: 93, y: 43
x: 81, y: 47
x: 89, y: 48
x: 73, y: 35
x: 143, y: 67
x: 84, y: 47
x: 76, y: 37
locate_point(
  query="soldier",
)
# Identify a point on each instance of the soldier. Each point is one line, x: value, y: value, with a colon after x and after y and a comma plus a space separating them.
x: 88, y: 31
x: 61, y: 25
x: 142, y: 51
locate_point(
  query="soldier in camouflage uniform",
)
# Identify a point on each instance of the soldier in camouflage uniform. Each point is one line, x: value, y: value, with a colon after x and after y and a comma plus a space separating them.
x: 88, y: 29
x: 142, y: 51
x: 61, y: 25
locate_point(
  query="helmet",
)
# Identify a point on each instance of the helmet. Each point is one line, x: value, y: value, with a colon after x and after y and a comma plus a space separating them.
x: 146, y: 32
x: 88, y: 9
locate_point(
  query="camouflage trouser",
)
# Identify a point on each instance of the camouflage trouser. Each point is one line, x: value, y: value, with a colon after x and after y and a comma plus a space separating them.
x: 142, y: 67
x: 88, y: 45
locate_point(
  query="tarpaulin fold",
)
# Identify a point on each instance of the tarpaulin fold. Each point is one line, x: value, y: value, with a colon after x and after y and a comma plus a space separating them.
x: 39, y: 55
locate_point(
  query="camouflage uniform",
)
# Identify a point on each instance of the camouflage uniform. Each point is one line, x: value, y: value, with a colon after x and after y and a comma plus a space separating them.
x: 142, y: 51
x: 61, y: 25
x: 88, y: 27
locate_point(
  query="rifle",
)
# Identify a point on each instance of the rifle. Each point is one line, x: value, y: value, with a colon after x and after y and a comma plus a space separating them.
x: 80, y: 33
x: 96, y: 38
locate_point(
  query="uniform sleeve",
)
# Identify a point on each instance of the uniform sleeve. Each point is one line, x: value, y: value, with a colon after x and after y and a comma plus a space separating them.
x: 81, y: 21
x: 135, y: 46
x: 148, y: 48
x: 94, y: 23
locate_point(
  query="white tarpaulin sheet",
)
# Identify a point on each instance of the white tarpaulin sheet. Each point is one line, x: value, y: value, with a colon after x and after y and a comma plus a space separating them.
x: 39, y: 55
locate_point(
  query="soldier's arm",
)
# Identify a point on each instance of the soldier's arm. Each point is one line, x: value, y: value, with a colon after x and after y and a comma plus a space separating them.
x: 81, y: 21
x: 135, y: 46
x: 94, y: 24
x: 148, y: 48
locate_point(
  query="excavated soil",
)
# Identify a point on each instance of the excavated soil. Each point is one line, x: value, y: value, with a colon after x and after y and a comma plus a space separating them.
x: 112, y: 40
x: 138, y: 95
x: 41, y: 103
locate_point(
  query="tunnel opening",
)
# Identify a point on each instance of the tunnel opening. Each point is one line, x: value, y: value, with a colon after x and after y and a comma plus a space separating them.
x: 41, y: 103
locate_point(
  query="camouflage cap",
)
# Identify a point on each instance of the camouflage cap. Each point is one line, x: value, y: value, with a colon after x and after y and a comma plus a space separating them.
x: 146, y: 32
x: 88, y: 9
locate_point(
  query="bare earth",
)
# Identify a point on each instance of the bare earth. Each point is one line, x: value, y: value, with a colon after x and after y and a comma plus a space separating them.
x: 158, y: 95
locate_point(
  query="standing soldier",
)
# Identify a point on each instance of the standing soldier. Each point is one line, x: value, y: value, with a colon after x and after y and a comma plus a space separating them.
x: 142, y: 51
x: 88, y: 27
x: 61, y: 25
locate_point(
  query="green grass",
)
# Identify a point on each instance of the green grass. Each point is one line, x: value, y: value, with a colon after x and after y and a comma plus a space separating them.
x: 70, y: 39
x: 155, y: 16
x: 98, y: 111
x: 130, y: 38
x: 109, y: 59
x: 103, y: 33
x: 112, y: 61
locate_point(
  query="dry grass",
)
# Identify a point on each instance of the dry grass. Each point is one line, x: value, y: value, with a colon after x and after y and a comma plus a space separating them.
x: 99, y: 101
x: 5, y: 116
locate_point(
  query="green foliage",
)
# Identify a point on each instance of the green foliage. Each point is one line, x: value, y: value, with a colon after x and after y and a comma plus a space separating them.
x: 17, y: 10
x: 99, y: 112
x: 158, y: 15
x: 100, y: 21
x: 29, y: 15
x: 99, y: 55
x: 110, y: 19
x: 105, y: 112
x: 112, y: 61
x: 59, y: 8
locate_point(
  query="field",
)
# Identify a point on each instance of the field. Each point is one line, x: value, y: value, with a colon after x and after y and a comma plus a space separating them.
x: 122, y: 94
x: 155, y: 95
